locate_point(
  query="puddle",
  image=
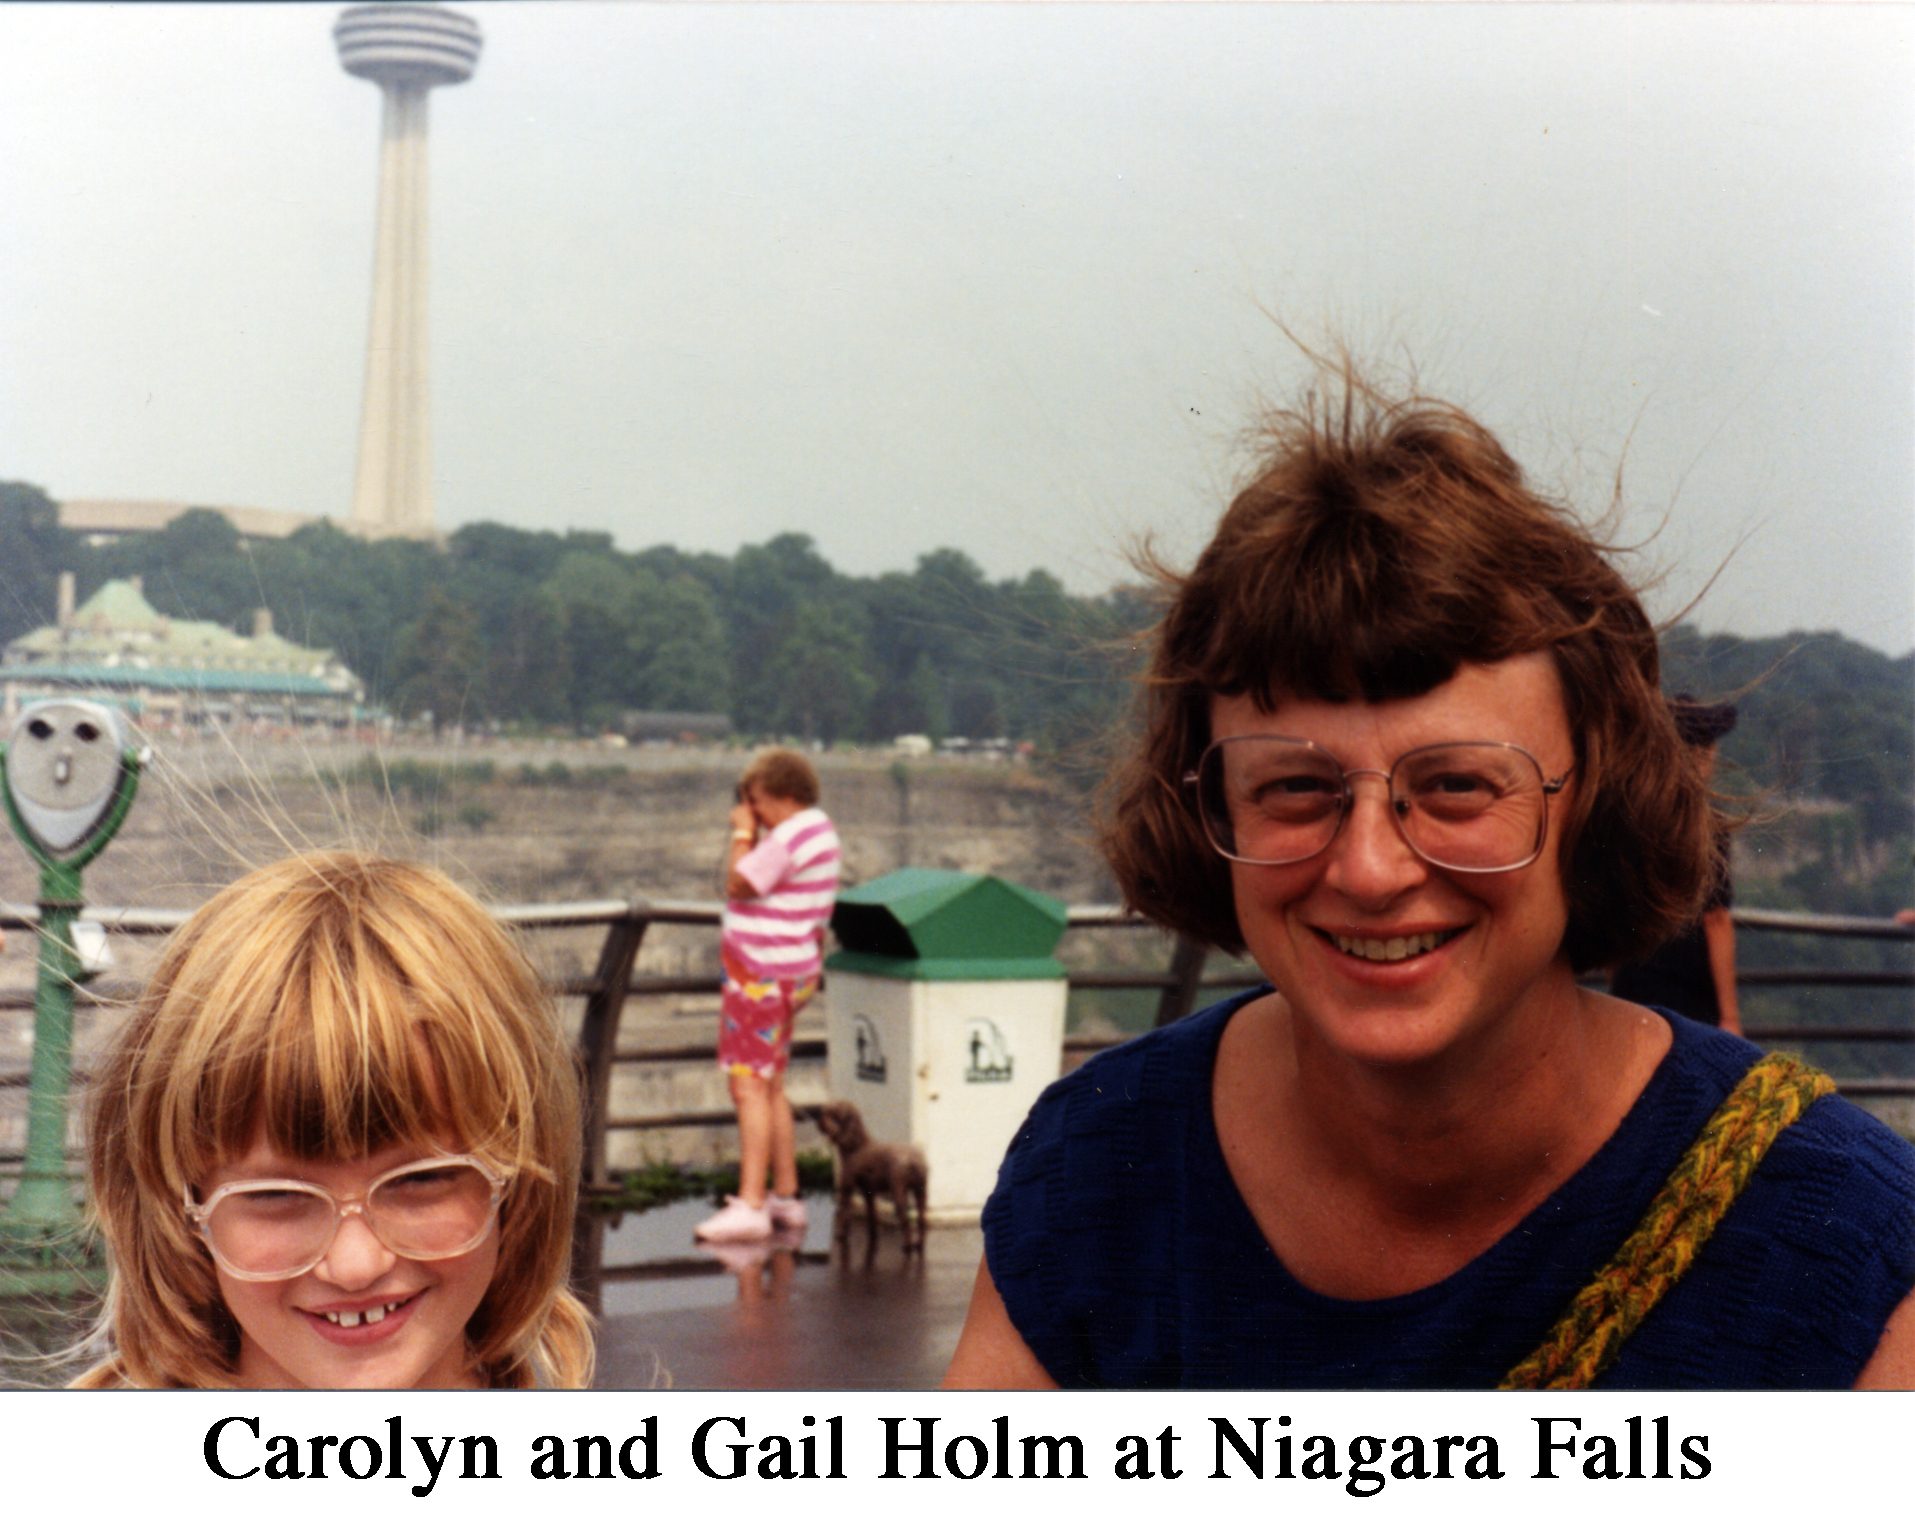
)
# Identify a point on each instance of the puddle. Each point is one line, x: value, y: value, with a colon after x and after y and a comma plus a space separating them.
x: 660, y: 1236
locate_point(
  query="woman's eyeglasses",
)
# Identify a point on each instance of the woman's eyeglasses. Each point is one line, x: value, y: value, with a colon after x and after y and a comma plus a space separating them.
x: 265, y: 1229
x: 1467, y: 806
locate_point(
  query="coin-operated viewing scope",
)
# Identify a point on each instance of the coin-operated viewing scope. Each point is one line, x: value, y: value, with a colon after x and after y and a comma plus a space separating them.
x: 71, y: 769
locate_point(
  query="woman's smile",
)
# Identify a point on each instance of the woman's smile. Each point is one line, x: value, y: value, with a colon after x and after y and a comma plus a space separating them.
x: 1401, y: 947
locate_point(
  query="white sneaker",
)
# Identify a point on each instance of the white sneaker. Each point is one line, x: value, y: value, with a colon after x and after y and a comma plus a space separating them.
x: 787, y: 1213
x: 737, y: 1220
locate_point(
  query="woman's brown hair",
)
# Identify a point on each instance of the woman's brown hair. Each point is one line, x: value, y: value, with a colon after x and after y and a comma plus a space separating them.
x: 1382, y: 545
x: 340, y: 1004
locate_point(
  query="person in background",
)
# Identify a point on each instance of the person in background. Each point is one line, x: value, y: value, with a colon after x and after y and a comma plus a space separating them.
x: 1694, y: 974
x: 781, y: 877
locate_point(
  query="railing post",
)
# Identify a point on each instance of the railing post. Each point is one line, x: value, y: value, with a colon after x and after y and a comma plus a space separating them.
x: 1186, y: 972
x: 597, y: 1044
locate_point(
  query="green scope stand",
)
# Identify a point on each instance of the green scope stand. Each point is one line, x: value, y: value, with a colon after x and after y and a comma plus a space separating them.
x: 45, y: 1250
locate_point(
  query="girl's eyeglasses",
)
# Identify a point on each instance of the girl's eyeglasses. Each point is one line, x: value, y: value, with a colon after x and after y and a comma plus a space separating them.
x: 265, y: 1229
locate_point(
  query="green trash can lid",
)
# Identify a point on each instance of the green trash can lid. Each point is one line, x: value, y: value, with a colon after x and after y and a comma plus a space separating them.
x: 921, y: 913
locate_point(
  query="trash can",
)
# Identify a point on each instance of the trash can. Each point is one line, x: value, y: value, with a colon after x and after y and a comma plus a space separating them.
x: 945, y: 1019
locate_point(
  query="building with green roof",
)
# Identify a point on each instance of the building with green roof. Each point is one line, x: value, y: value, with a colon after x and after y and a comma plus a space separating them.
x: 117, y: 647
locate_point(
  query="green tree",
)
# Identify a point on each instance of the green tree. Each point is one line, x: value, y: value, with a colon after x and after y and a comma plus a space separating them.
x: 1819, y: 717
x: 823, y: 688
x: 356, y: 597
x: 592, y: 599
x: 35, y: 549
x: 1069, y: 663
x: 197, y: 567
x: 935, y: 649
x: 529, y: 675
x: 497, y: 571
x: 769, y: 586
x: 668, y: 563
x: 912, y: 705
x: 677, y: 645
x: 440, y: 665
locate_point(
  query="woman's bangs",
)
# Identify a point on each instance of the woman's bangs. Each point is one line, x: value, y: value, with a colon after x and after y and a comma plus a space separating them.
x: 1281, y: 647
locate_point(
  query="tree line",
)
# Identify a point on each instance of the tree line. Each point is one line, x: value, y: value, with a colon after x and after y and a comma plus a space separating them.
x: 511, y: 628
x: 506, y: 628
x: 1824, y: 752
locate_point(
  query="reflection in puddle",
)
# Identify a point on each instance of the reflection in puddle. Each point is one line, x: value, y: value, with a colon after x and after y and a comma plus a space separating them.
x: 650, y: 1262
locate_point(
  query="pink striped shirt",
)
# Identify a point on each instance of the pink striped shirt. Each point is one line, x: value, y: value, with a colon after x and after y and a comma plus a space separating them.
x: 795, y: 870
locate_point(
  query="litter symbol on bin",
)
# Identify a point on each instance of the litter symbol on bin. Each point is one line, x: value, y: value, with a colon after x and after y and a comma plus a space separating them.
x: 990, y: 1057
x: 870, y: 1050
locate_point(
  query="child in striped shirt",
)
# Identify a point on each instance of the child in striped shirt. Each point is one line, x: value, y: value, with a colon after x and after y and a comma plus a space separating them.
x: 780, y: 882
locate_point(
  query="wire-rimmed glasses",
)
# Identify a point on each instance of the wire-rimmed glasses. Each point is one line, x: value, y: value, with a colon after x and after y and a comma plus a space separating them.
x: 265, y: 1229
x: 1466, y: 806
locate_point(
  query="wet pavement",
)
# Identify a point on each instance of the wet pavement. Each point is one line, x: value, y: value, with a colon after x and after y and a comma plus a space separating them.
x: 784, y: 1317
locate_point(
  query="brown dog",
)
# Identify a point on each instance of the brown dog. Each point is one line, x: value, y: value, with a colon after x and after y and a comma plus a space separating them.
x: 899, y: 1171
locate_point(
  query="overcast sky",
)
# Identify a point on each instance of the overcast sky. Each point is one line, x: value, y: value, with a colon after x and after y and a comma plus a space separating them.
x: 992, y: 277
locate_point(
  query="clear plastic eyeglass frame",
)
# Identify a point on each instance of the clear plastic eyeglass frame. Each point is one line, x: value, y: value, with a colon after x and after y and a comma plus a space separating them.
x: 1217, y: 829
x: 201, y: 1214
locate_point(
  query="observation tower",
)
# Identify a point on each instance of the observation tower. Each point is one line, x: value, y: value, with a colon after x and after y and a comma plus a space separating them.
x: 405, y: 50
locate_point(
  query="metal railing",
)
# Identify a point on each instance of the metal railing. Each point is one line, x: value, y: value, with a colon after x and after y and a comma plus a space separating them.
x: 614, y: 980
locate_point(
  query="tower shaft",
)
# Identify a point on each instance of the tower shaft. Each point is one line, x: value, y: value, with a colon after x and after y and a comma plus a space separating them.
x: 392, y: 490
x: 406, y: 49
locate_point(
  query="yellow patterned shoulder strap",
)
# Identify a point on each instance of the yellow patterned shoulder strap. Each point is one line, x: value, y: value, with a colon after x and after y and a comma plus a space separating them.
x: 1771, y: 1096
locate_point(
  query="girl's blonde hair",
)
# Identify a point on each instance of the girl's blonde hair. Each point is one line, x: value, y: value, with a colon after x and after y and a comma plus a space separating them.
x: 339, y: 1004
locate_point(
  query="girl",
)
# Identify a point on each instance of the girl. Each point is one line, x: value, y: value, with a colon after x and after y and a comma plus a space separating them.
x: 781, y: 875
x: 337, y: 1146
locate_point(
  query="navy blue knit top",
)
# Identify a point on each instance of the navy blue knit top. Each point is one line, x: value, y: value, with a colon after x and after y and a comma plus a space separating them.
x: 1127, y: 1258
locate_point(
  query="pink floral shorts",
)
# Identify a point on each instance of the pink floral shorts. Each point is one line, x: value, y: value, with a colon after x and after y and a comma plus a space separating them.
x: 754, y: 1018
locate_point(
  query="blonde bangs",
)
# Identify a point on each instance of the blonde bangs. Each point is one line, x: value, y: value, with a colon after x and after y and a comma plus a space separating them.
x: 332, y: 1027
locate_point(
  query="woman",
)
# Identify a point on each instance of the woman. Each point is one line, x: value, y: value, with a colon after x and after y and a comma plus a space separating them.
x: 336, y: 1145
x: 1403, y: 745
x: 781, y: 875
